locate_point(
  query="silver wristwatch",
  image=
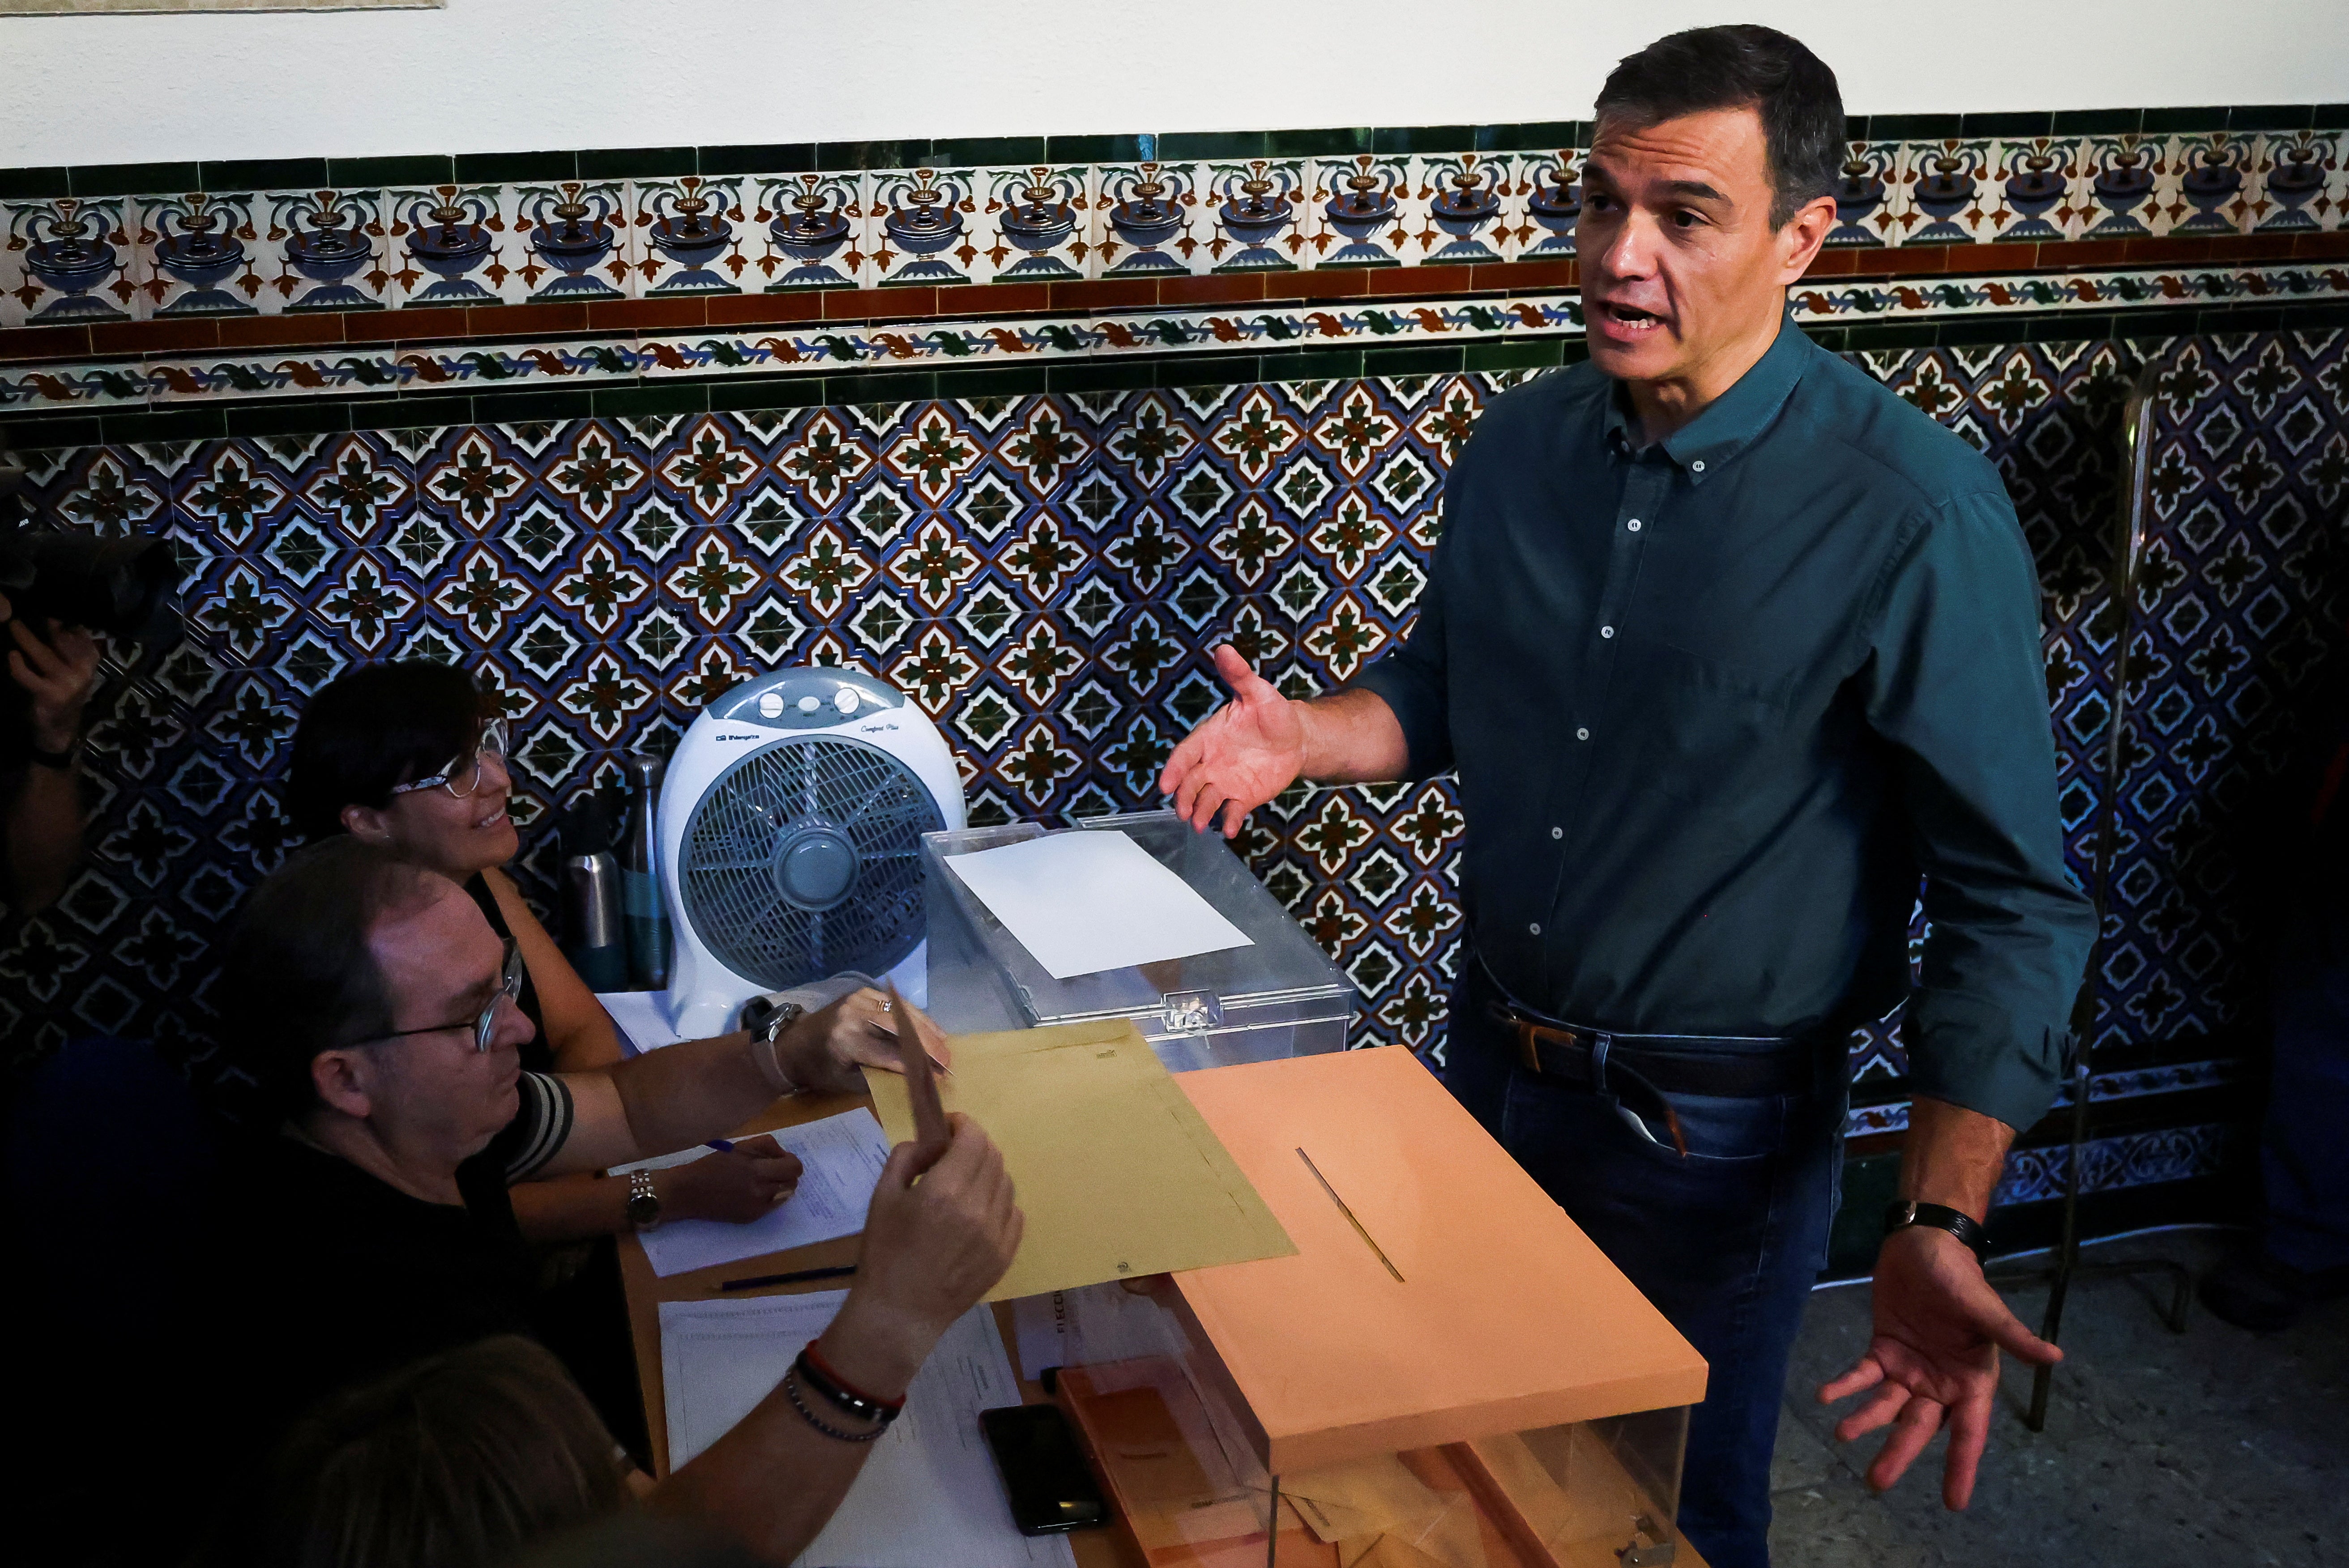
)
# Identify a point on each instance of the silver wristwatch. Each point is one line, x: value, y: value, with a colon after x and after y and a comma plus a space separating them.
x: 644, y: 1202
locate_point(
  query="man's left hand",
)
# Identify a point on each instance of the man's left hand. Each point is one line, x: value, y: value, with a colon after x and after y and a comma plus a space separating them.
x: 1933, y: 1360
x: 58, y: 672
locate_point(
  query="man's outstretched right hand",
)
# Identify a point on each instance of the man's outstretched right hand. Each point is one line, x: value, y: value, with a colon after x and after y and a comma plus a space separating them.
x: 1241, y: 756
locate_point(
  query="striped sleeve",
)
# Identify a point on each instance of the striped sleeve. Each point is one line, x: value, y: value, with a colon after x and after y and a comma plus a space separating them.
x: 540, y: 1127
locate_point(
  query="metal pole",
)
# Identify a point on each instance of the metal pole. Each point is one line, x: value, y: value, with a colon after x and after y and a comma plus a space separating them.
x: 2137, y: 434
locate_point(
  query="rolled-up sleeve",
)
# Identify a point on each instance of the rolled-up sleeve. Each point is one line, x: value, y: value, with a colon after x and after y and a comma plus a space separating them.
x: 1956, y: 683
x: 1409, y: 680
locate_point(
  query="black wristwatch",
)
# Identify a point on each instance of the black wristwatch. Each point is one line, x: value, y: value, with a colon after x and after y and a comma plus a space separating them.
x: 1907, y: 1212
x: 644, y: 1202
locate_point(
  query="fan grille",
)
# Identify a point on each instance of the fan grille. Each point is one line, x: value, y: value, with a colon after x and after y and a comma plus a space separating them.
x: 813, y: 797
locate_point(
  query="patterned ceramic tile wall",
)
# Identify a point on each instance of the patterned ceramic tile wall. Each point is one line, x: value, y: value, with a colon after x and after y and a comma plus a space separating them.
x: 1043, y: 574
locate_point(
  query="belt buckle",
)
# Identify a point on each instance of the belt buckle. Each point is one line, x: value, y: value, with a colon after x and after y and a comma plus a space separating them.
x: 1528, y: 1052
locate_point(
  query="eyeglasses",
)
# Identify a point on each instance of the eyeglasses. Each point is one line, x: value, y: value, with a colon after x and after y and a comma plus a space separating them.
x: 484, y: 1026
x: 462, y: 775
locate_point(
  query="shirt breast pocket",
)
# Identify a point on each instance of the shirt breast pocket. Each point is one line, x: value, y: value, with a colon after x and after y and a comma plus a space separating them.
x: 1705, y: 722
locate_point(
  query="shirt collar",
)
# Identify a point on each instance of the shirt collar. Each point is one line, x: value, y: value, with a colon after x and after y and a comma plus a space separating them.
x: 1734, y: 419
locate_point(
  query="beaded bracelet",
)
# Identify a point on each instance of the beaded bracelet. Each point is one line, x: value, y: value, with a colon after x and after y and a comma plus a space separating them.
x: 829, y: 1430
x: 817, y: 1374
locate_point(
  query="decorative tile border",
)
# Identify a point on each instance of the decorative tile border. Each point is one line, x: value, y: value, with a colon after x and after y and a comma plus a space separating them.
x: 520, y: 366
x: 138, y: 244
x: 2123, y: 1159
x: 2174, y: 1078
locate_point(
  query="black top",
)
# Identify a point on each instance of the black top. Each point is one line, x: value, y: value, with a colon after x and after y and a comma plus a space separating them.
x: 1717, y: 702
x: 338, y: 1277
x: 537, y: 1055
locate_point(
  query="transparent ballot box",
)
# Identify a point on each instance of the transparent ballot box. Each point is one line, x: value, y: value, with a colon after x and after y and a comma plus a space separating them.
x: 1188, y: 1489
x: 1281, y: 996
x: 1445, y: 1371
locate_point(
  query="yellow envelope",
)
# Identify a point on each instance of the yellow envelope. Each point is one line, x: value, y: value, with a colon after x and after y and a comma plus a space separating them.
x: 1118, y: 1173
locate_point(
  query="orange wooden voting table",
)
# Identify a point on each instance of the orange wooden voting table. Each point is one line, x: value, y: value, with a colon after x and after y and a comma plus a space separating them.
x: 1387, y: 1331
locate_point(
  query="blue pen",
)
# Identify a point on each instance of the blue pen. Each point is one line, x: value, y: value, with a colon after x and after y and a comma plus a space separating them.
x: 723, y: 1145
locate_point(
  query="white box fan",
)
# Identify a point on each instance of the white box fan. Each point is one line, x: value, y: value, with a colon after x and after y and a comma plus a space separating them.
x: 791, y: 818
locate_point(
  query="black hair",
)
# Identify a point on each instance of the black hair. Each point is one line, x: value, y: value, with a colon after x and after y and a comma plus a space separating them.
x: 373, y: 728
x: 297, y: 977
x: 1743, y: 65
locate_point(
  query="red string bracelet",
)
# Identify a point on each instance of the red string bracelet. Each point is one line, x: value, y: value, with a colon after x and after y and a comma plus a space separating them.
x: 830, y: 1374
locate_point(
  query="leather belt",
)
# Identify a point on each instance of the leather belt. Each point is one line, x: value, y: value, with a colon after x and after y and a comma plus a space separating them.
x: 1641, y: 1070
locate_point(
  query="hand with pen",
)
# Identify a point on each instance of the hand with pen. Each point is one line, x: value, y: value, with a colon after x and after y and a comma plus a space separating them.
x: 736, y: 1184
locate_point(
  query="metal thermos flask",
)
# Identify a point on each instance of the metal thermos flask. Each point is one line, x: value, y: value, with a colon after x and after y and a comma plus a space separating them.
x: 640, y: 889
x: 591, y: 920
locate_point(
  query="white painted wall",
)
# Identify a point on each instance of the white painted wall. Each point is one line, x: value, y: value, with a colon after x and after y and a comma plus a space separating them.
x: 486, y: 76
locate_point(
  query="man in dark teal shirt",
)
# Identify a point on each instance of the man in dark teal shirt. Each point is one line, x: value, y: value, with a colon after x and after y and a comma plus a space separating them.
x: 1731, y: 648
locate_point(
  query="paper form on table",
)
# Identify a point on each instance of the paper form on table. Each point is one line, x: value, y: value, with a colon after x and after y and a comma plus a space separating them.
x: 1081, y: 902
x: 1116, y: 1170
x: 928, y: 1494
x: 843, y: 1155
x: 1089, y: 1326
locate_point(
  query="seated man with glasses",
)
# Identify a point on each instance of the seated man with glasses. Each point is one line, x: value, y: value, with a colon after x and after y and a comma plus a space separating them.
x: 374, y: 1007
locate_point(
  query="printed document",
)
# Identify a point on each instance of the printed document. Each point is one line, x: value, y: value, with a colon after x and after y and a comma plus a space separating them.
x: 928, y: 1496
x: 1081, y: 902
x: 843, y: 1155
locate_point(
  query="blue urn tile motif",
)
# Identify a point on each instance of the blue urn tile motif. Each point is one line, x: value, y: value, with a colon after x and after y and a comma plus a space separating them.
x: 2296, y: 171
x: 573, y: 235
x: 1362, y: 208
x: 2211, y: 184
x: 450, y: 232
x: 685, y: 226
x: 1144, y: 206
x: 1036, y: 211
x: 1465, y: 202
x: 1554, y: 204
x: 1861, y: 194
x: 1255, y: 210
x: 1944, y: 189
x: 198, y: 241
x: 2037, y: 179
x: 922, y: 216
x: 69, y: 252
x: 810, y: 222
x: 330, y: 237
x: 1043, y: 573
x: 2122, y: 184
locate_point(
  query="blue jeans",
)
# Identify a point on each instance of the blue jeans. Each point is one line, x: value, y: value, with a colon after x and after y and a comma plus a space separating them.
x: 1725, y: 1243
x: 2307, y: 1181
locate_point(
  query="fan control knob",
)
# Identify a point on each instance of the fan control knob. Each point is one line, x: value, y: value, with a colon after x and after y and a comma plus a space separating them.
x: 771, y: 706
x: 809, y: 703
x: 845, y: 700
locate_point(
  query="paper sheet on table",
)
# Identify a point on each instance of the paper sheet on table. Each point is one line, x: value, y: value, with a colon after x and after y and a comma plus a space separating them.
x: 843, y: 1155
x: 928, y: 1495
x: 1089, y: 1326
x: 642, y: 1018
x: 1117, y: 1171
x: 1084, y: 902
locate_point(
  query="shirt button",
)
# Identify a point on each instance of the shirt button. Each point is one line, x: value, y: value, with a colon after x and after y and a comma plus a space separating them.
x: 1698, y: 465
x: 1606, y: 631
x: 1633, y: 525
x: 1558, y: 832
x: 1535, y: 928
x: 1582, y: 735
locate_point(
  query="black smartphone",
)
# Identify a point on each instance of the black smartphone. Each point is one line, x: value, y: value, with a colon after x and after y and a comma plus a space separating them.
x: 1043, y: 1472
